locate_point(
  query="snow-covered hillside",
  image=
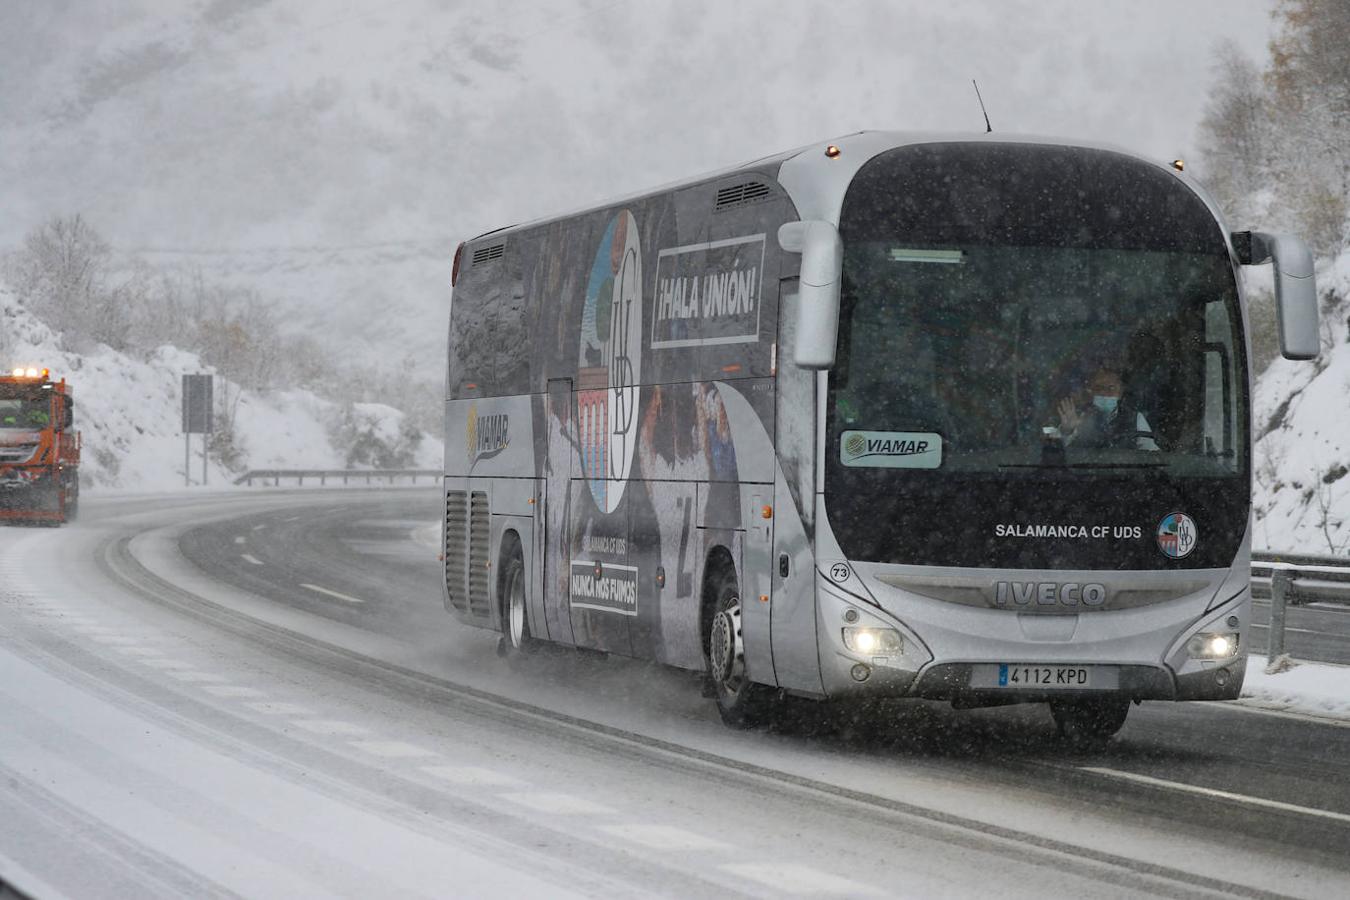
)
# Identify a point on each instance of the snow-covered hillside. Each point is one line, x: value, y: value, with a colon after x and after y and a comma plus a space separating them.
x: 128, y: 411
x: 332, y: 155
x: 1302, y: 426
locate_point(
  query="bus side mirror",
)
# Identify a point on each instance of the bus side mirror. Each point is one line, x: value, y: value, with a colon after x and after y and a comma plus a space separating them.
x: 1295, y: 289
x: 818, y: 291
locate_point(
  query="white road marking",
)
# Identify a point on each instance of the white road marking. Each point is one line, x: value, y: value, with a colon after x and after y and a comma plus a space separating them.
x: 193, y: 676
x: 280, y: 709
x: 330, y: 726
x: 1298, y: 630
x: 249, y: 557
x: 473, y: 775
x: 292, y: 519
x: 1222, y: 795
x: 564, y: 804
x: 795, y: 879
x: 1324, y: 605
x: 240, y: 539
x: 324, y: 590
x: 391, y: 749
x: 663, y: 837
x: 232, y: 690
x: 259, y: 527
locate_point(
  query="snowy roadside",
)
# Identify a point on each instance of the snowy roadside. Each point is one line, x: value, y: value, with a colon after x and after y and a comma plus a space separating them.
x: 1315, y: 689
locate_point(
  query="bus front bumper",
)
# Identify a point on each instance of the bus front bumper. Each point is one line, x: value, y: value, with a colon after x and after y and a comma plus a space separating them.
x: 947, y: 652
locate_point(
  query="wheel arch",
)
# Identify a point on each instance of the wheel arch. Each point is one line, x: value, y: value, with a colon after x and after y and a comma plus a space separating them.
x: 508, y: 544
x: 718, y: 560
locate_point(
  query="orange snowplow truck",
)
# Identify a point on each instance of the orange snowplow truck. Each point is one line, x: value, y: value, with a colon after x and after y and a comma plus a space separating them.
x: 39, y: 450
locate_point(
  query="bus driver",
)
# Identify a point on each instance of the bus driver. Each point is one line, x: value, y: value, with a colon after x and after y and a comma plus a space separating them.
x: 1103, y: 421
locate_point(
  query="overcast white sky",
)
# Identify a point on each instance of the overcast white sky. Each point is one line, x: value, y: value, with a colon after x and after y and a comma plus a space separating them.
x: 234, y: 122
x: 272, y: 142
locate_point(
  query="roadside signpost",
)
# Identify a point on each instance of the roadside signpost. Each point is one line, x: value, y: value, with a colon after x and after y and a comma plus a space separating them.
x: 198, y: 417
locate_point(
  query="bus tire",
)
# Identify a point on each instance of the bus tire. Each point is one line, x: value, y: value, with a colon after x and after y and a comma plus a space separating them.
x: 1090, y: 719
x: 740, y: 702
x: 514, y: 601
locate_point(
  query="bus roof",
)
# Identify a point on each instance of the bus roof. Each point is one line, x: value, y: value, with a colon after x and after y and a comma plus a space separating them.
x: 816, y: 183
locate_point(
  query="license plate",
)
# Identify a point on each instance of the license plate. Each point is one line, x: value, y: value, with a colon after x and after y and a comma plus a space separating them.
x: 1055, y: 677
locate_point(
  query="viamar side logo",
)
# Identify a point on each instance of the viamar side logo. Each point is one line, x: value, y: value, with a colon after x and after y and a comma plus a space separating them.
x: 485, y: 436
x: 891, y: 449
x: 608, y: 362
x: 1177, y: 535
x: 471, y: 432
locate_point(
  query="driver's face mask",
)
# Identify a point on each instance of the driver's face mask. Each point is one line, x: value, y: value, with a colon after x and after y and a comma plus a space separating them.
x: 1105, y: 403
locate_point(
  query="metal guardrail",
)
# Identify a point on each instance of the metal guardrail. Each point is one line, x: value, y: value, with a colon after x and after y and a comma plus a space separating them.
x: 348, y: 476
x: 1291, y: 578
x: 1312, y: 577
x: 1265, y: 557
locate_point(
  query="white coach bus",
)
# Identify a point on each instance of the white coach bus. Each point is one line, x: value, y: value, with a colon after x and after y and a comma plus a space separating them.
x: 948, y: 417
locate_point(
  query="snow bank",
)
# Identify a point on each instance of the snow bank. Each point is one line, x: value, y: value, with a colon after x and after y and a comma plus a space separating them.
x: 1302, y: 494
x: 129, y: 412
x: 1320, y: 689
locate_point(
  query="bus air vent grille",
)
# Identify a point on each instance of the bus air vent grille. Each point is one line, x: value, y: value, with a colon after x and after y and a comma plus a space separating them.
x: 480, y: 537
x: 488, y: 254
x: 740, y: 194
x: 456, y: 548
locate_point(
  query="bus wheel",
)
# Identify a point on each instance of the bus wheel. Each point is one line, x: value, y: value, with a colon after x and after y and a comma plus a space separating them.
x: 741, y: 702
x: 1098, y: 718
x: 515, y: 625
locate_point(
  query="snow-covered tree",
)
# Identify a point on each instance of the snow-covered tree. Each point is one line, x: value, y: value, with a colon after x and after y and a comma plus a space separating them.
x: 1274, y: 142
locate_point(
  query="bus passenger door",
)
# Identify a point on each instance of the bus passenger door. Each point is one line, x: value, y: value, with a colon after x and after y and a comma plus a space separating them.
x: 757, y: 585
x: 796, y: 654
x: 558, y: 467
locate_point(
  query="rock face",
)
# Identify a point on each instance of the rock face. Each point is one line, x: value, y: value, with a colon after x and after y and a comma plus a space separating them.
x: 1301, y: 424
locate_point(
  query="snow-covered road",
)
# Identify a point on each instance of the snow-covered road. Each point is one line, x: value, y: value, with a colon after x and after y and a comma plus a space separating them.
x: 259, y: 694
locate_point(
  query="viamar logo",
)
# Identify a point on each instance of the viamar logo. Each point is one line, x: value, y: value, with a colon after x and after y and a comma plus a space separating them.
x: 485, y: 436
x: 891, y: 449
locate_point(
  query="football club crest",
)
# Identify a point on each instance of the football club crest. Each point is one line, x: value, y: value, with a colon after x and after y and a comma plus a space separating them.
x: 608, y: 363
x: 1177, y: 535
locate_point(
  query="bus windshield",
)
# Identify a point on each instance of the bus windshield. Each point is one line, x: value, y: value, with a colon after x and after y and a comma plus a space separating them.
x: 1034, y: 340
x: 1046, y: 357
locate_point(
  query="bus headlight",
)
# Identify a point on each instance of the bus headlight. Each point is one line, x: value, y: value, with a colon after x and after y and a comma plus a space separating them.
x: 874, y: 641
x: 1213, y: 645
